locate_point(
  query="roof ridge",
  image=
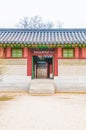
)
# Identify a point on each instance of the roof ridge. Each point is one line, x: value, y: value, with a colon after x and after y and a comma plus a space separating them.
x: 53, y: 29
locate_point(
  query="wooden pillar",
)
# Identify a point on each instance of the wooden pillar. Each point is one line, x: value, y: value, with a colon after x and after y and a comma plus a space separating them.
x: 29, y: 63
x: 56, y: 63
x: 83, y: 53
x: 2, y: 52
x: 8, y: 52
x: 50, y: 68
x: 77, y: 53
x: 25, y: 52
x: 59, y: 52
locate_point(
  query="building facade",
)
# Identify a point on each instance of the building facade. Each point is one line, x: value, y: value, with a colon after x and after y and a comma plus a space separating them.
x: 58, y: 54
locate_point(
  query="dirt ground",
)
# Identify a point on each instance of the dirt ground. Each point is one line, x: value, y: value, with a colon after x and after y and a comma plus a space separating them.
x: 57, y: 112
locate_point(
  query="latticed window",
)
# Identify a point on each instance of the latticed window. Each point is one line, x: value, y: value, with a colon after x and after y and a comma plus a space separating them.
x: 16, y: 53
x: 68, y: 53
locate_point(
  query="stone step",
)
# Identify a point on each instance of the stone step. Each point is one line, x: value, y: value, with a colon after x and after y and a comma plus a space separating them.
x: 41, y: 87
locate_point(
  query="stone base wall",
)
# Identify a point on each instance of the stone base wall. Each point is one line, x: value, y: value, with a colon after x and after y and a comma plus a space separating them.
x: 13, y: 82
x: 70, y: 83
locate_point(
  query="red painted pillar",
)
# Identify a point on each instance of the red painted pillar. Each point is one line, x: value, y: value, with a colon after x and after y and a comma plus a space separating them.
x: 56, y: 62
x: 8, y: 52
x: 29, y: 63
x: 83, y: 53
x: 25, y: 52
x: 2, y: 52
x: 77, y: 53
x: 59, y: 52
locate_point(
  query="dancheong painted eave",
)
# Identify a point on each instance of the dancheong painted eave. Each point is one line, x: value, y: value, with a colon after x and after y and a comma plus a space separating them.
x: 43, y: 36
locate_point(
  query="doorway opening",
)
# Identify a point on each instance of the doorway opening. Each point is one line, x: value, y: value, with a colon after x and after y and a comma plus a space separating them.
x: 42, y: 67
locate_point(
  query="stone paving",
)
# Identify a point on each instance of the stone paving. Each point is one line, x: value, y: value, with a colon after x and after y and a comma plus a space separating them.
x: 57, y: 112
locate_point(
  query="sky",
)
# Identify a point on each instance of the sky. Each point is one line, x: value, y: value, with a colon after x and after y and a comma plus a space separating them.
x: 72, y: 13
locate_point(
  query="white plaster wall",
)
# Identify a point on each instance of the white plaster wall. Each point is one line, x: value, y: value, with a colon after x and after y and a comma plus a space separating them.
x: 71, y: 67
x: 16, y: 69
x: 15, y: 75
x: 71, y: 75
x: 16, y: 66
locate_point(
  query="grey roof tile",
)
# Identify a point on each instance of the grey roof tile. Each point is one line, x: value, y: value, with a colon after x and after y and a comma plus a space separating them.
x: 31, y: 36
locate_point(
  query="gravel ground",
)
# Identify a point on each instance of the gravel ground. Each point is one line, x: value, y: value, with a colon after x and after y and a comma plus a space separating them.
x: 58, y: 112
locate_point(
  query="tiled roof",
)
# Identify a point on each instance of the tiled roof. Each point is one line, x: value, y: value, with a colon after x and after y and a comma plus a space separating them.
x: 31, y: 36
